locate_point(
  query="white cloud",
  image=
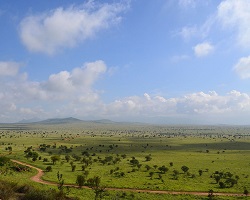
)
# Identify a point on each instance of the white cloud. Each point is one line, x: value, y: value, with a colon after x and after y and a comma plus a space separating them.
x: 60, y: 28
x: 61, y: 91
x: 80, y: 79
x: 236, y: 14
x: 195, y: 31
x: 210, y: 107
x: 9, y: 68
x: 77, y: 96
x: 231, y: 14
x: 242, y: 68
x: 188, y: 32
x: 203, y: 49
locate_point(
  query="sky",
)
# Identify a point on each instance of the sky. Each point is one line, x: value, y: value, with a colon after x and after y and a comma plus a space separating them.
x: 153, y: 61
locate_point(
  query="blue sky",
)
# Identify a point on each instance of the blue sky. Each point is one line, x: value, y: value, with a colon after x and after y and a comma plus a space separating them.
x: 158, y: 61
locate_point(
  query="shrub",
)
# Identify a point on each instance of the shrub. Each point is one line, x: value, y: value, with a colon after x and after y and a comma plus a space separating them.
x: 49, y: 169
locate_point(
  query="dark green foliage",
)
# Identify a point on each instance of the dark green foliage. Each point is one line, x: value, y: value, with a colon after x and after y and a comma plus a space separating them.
x: 176, y: 174
x: 4, y: 160
x: 210, y: 194
x: 49, y: 169
x: 163, y: 169
x: 134, y: 162
x: 80, y: 180
x: 245, y: 192
x: 67, y: 158
x: 184, y: 168
x: 94, y: 183
x: 226, y: 179
x: 151, y: 174
x: 148, y: 167
x: 7, y: 190
x: 148, y: 157
x: 73, y: 168
x: 55, y: 158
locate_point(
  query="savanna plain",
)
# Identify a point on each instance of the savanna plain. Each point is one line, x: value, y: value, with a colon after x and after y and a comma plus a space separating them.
x: 106, y: 160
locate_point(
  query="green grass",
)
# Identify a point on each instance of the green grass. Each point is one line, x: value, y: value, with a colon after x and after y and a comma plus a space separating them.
x: 207, y: 148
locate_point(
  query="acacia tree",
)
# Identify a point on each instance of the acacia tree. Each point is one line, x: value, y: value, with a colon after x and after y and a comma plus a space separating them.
x: 94, y: 183
x: 67, y: 158
x: 147, y: 167
x: 184, y: 169
x: 163, y: 169
x: 80, y: 180
x: 175, y: 174
x: 151, y: 175
x: 148, y: 157
x: 55, y: 158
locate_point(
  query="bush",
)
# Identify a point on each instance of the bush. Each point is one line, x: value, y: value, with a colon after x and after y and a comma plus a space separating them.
x: 49, y: 169
x: 7, y: 190
x: 3, y: 160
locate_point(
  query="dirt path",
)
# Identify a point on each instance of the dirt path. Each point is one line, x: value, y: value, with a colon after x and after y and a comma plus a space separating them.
x: 38, y: 176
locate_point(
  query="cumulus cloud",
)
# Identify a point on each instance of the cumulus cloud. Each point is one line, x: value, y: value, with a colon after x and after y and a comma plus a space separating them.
x: 66, y: 27
x: 9, y: 68
x: 242, y: 68
x: 232, y: 15
x: 198, y: 105
x: 81, y: 78
x: 73, y: 93
x: 203, y: 49
x: 236, y: 15
x: 61, y: 90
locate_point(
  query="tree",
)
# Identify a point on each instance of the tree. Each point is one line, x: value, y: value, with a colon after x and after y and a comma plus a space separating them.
x: 147, y: 167
x: 55, y: 158
x: 139, y: 166
x: 222, y: 184
x: 151, y: 175
x: 148, y: 157
x: 246, y: 192
x: 49, y: 169
x: 160, y: 177
x: 210, y: 194
x: 60, y: 186
x: 184, y: 168
x: 67, y: 158
x: 94, y: 183
x: 175, y: 174
x: 73, y: 168
x: 134, y: 162
x: 200, y: 172
x: 80, y: 180
x: 217, y: 178
x: 4, y: 160
x: 163, y: 169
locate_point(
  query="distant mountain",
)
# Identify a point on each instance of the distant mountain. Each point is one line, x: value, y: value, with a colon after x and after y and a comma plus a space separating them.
x: 69, y: 120
x: 59, y: 121
x: 103, y: 121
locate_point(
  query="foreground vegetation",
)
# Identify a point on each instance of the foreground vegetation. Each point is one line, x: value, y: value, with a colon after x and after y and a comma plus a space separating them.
x: 129, y: 156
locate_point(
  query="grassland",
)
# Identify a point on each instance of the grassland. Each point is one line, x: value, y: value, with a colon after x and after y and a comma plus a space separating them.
x: 108, y: 151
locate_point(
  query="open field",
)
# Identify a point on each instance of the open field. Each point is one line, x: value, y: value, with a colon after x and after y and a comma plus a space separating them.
x: 134, y: 156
